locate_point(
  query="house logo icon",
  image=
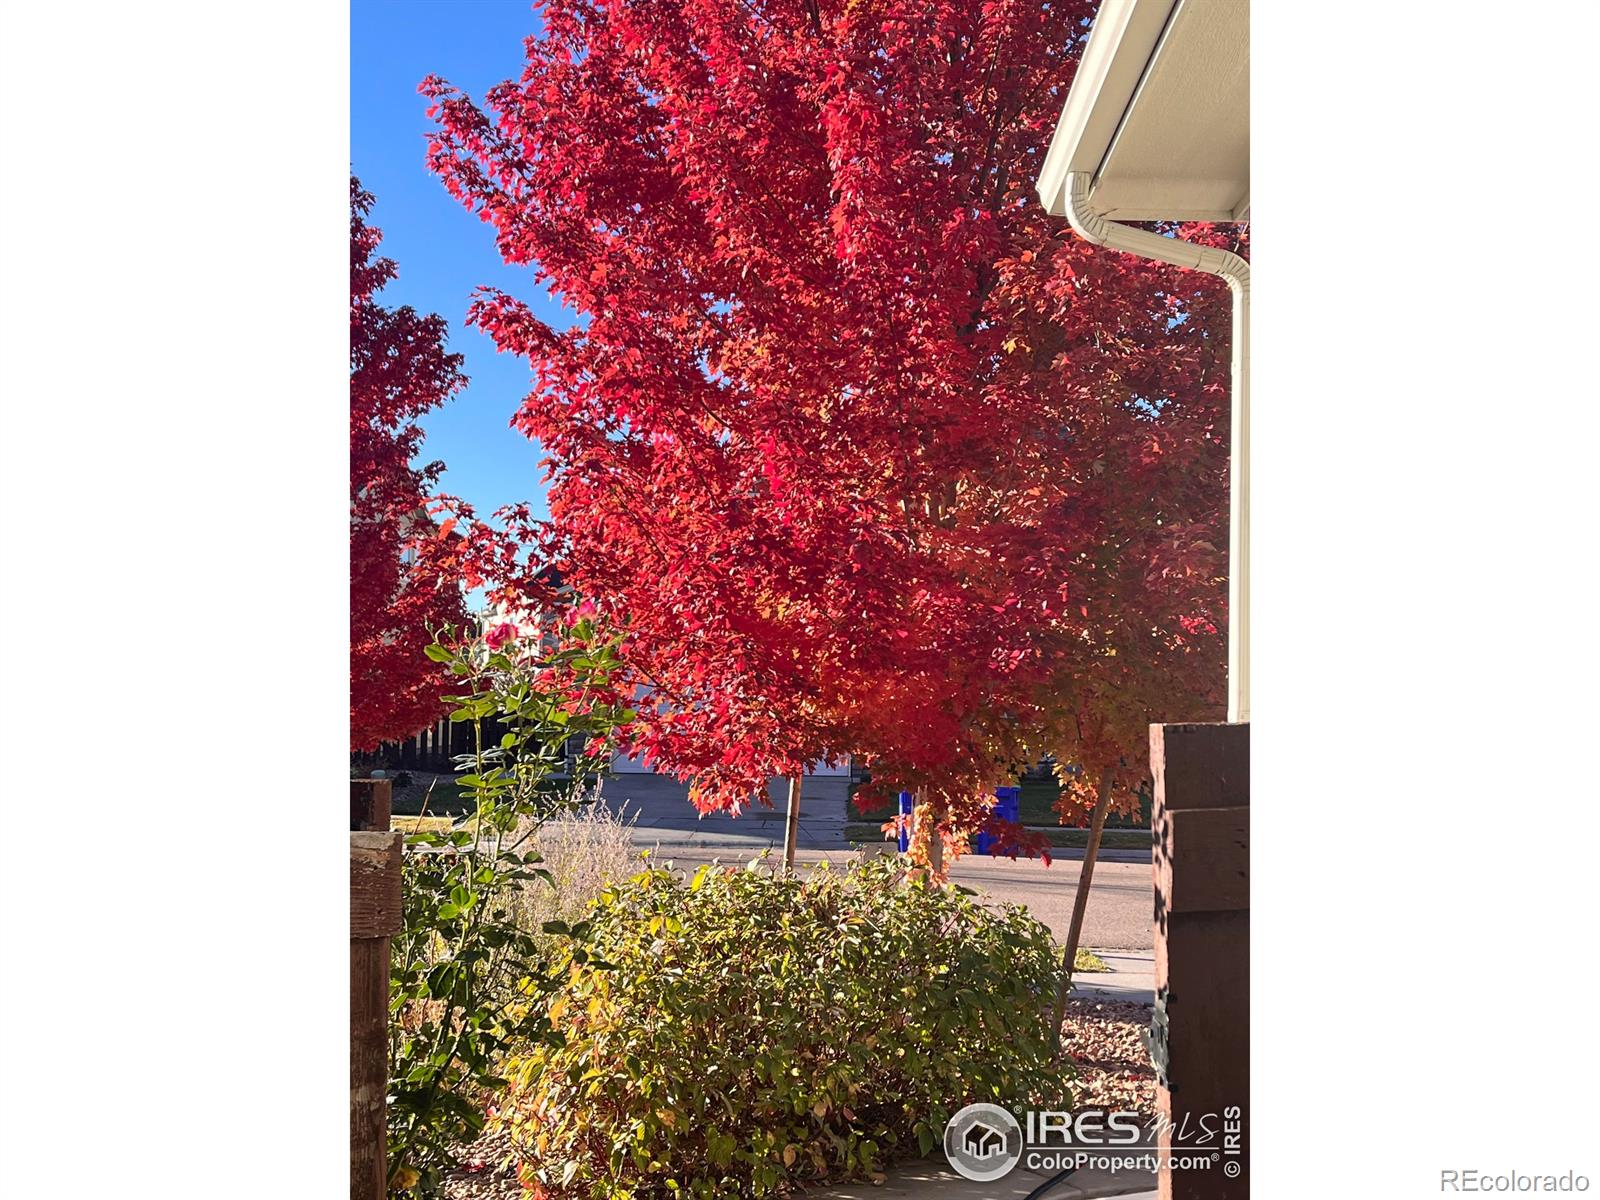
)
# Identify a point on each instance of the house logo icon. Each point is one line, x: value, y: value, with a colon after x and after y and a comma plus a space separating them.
x: 983, y: 1142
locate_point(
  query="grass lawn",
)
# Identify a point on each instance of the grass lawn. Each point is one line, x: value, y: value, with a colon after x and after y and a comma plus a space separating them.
x: 407, y: 824
x: 440, y: 796
x: 1036, y: 805
x: 1088, y: 962
x: 435, y: 792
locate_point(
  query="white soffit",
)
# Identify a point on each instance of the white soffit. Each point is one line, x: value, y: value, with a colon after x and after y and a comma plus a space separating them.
x: 1159, y: 113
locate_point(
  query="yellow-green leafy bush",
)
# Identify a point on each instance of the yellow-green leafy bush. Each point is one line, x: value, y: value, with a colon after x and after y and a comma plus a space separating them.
x: 743, y: 1032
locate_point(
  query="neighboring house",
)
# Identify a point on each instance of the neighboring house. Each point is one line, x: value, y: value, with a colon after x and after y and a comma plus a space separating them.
x: 524, y: 620
x: 633, y: 766
x: 418, y: 521
x: 623, y: 764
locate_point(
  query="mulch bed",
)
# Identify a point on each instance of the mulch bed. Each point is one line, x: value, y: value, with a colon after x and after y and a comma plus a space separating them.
x: 1105, y: 1041
x: 1103, y: 1038
x: 481, y: 1175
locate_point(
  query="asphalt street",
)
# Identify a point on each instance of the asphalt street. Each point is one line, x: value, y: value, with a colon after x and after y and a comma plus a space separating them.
x: 1121, y: 898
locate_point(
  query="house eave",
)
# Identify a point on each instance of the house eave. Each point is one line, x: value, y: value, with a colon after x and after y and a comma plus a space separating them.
x: 1157, y: 116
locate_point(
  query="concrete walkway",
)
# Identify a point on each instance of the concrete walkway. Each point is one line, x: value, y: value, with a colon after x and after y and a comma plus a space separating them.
x: 1132, y: 977
x: 933, y: 1179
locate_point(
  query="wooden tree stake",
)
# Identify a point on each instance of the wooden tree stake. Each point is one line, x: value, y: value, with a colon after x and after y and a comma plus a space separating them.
x: 791, y: 824
x: 1080, y: 902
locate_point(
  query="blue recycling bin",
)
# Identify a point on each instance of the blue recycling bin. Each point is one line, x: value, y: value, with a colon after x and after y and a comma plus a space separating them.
x: 985, y: 841
x: 1008, y: 807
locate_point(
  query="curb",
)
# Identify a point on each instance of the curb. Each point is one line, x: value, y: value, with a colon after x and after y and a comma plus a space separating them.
x: 1057, y: 853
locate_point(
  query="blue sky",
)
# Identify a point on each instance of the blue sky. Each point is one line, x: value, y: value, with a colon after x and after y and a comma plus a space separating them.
x: 443, y: 252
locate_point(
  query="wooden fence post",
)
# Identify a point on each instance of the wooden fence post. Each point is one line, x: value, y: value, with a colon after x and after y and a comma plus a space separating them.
x: 370, y: 801
x: 1200, y: 1034
x: 375, y: 917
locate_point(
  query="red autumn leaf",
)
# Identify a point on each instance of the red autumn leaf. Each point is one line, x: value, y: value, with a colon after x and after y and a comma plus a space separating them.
x: 847, y: 409
x: 398, y: 371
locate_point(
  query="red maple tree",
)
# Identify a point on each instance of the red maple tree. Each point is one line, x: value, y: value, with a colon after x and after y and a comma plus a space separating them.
x: 398, y: 370
x: 864, y: 452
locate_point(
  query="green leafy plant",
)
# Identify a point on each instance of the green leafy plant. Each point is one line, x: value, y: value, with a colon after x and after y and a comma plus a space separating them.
x: 745, y: 1032
x: 465, y: 974
x: 1089, y: 962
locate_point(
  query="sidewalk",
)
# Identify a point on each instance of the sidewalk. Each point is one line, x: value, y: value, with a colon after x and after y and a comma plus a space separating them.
x: 1132, y: 977
x: 931, y: 1178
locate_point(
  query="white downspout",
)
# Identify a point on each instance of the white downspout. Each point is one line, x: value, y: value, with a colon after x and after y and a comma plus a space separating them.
x: 1091, y: 226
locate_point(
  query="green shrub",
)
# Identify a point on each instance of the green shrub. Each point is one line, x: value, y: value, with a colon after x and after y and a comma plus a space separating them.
x: 465, y: 972
x: 745, y: 1032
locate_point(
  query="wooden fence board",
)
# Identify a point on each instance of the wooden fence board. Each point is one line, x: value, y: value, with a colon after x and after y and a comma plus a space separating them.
x: 375, y: 915
x: 1201, y: 1032
x: 1213, y: 844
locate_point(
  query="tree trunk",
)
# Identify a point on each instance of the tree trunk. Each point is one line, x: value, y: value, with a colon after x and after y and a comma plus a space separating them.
x: 791, y: 824
x: 1069, y: 954
x: 935, y: 842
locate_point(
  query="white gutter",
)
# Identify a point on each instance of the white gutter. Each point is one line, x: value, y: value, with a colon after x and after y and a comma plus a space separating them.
x: 1092, y: 227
